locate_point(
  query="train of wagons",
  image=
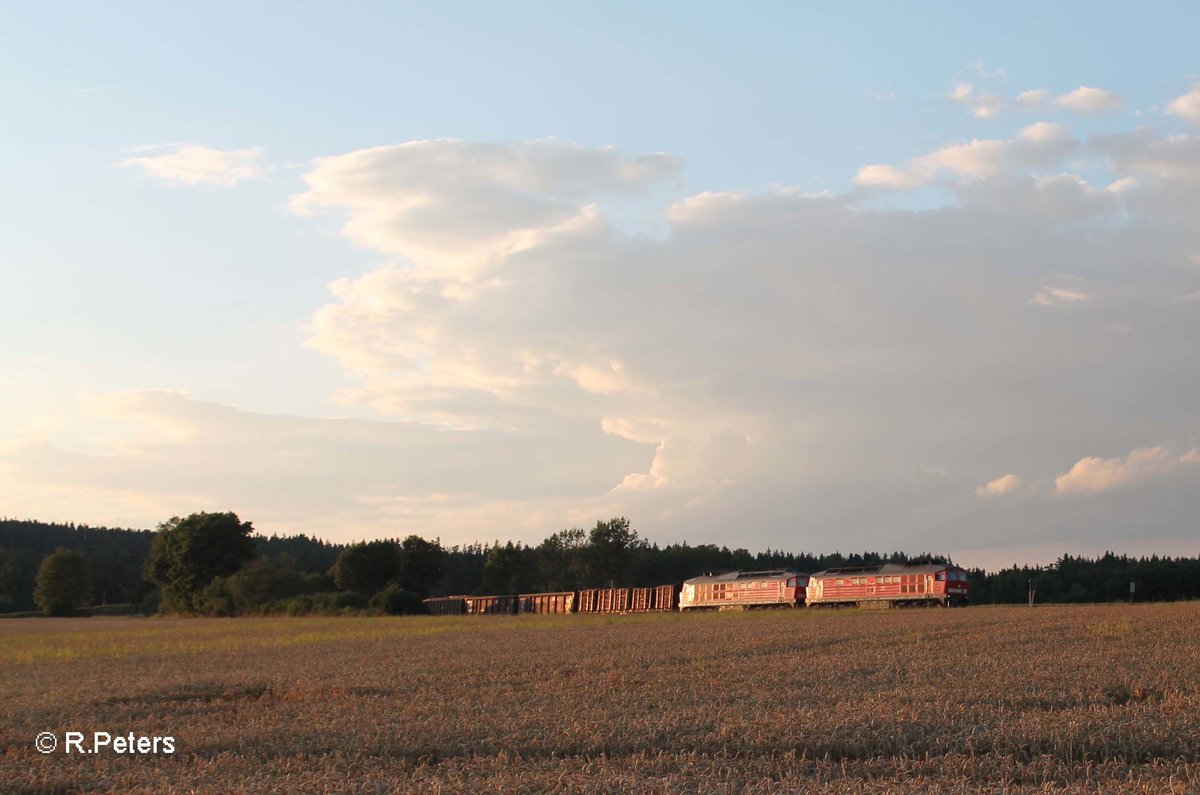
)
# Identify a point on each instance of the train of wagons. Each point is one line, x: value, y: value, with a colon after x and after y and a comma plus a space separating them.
x: 879, y: 586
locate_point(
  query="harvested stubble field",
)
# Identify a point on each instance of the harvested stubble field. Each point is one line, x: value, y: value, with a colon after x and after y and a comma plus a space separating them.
x: 1102, y: 699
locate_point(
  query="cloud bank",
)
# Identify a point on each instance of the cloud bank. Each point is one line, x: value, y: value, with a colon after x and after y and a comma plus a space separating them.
x: 775, y: 369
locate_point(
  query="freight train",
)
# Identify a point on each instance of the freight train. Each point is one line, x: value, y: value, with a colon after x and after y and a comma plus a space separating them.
x: 886, y: 585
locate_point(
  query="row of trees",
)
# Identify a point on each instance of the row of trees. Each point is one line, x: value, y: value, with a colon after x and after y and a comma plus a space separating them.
x: 205, y: 564
x: 118, y: 557
x: 1103, y: 579
x: 214, y: 564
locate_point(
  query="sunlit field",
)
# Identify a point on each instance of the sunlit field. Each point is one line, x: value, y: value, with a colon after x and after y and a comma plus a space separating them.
x: 1100, y: 699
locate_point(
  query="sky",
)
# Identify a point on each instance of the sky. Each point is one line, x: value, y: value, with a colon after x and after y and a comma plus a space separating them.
x: 768, y: 275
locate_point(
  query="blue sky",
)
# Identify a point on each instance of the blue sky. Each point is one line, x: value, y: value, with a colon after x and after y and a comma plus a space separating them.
x: 125, y: 286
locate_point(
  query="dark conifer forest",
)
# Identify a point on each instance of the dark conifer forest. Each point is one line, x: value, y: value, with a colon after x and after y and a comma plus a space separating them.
x: 299, y: 574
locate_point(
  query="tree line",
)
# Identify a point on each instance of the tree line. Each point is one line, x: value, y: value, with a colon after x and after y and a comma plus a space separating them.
x: 215, y: 564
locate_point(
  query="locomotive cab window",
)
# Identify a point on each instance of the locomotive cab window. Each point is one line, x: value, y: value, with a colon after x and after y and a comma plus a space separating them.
x: 941, y: 575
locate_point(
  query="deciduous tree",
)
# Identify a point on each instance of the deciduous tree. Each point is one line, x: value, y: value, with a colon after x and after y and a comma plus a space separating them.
x: 611, y: 547
x: 64, y: 582
x: 187, y: 554
x: 366, y: 568
x: 420, y: 564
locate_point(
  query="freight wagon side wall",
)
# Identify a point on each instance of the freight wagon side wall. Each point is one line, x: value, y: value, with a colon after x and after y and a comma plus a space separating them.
x: 666, y: 597
x: 561, y: 602
x: 446, y: 605
x: 491, y: 605
x: 627, y: 600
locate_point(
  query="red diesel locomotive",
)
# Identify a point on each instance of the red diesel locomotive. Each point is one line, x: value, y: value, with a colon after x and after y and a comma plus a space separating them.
x: 890, y: 585
x: 739, y: 590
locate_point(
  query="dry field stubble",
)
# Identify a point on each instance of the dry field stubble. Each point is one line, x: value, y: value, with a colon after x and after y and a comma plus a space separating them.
x: 1102, y: 699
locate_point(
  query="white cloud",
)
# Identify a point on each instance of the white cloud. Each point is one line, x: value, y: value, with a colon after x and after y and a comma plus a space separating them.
x: 1005, y: 484
x: 1122, y: 184
x: 1090, y: 100
x: 1085, y: 99
x: 1037, y: 145
x: 1061, y: 297
x: 981, y: 105
x: 771, y: 350
x: 462, y: 205
x: 1187, y: 106
x: 1090, y: 475
x: 190, y: 164
x: 980, y: 69
x: 1145, y: 153
x: 1028, y: 100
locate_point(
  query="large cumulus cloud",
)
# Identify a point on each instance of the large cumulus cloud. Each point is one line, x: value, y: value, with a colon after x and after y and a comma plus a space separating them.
x: 774, y: 369
x: 809, y: 372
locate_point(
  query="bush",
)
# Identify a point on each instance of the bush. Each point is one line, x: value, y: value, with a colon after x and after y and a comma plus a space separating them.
x: 396, y: 601
x: 342, y: 601
x: 150, y: 603
x: 299, y: 606
x: 263, y: 581
x: 215, y: 600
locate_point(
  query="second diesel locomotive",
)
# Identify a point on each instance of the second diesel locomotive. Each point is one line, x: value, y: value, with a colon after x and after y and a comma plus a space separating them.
x: 889, y: 585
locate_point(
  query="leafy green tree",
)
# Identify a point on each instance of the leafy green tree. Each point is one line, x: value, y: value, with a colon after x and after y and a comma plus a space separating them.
x: 611, y: 549
x: 421, y: 564
x: 509, y: 569
x: 366, y: 568
x: 64, y: 582
x: 562, y: 559
x: 187, y: 554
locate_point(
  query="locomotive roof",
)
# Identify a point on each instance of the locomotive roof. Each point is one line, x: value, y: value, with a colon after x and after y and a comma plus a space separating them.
x: 731, y: 576
x: 889, y: 568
